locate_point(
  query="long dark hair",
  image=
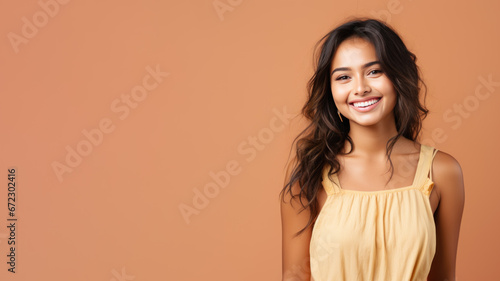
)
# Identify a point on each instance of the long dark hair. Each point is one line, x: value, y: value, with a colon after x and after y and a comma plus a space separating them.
x: 324, y: 137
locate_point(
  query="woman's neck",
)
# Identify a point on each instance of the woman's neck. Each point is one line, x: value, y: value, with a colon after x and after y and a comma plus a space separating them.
x: 371, y: 140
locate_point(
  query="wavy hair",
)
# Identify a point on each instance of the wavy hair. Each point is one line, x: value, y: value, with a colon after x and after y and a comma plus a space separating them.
x: 324, y: 137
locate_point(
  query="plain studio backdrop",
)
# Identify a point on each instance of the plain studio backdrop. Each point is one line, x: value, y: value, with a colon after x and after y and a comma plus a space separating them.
x: 149, y: 138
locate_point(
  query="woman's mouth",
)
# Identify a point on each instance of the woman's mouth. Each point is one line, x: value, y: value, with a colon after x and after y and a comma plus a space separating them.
x: 367, y: 105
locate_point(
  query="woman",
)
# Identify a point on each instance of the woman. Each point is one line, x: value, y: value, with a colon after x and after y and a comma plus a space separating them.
x: 344, y: 216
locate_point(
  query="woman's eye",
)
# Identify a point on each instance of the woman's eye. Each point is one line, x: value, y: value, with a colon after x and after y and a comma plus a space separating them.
x: 375, y: 71
x: 343, y: 77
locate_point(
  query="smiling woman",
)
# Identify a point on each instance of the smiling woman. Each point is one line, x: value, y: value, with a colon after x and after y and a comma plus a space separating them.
x: 357, y: 220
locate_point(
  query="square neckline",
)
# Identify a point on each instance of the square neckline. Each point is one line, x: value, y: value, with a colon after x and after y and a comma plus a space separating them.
x: 413, y: 185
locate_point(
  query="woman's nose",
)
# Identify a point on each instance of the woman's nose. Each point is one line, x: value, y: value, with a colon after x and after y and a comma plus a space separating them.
x: 361, y: 86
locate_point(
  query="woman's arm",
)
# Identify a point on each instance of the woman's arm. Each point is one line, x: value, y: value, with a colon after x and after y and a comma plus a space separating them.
x: 295, y: 250
x: 449, y: 184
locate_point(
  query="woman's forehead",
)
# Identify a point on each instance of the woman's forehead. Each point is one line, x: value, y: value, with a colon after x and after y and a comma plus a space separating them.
x: 354, y: 52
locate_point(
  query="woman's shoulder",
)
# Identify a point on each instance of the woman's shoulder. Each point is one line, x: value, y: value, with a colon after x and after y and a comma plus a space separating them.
x: 447, y: 173
x: 446, y: 163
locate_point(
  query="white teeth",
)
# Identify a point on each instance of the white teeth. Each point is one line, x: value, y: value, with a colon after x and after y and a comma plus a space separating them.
x: 366, y: 103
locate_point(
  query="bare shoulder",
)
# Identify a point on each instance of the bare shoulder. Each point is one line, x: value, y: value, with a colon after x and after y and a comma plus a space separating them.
x: 447, y: 174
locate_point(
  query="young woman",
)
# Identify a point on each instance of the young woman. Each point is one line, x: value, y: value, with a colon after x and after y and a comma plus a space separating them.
x: 344, y: 215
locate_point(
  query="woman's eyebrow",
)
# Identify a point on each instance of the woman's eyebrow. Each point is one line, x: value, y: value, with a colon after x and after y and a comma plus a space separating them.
x: 348, y: 68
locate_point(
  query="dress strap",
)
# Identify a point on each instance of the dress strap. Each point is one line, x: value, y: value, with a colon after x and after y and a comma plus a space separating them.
x: 329, y: 184
x: 423, y: 179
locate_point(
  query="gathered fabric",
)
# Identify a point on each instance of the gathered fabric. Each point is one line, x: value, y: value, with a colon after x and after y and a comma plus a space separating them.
x: 384, y: 235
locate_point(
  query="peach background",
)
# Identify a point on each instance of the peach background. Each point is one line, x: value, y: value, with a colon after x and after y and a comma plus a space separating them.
x: 119, y: 208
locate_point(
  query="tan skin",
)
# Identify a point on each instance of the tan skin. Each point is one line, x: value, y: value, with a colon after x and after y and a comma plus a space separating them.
x: 368, y: 167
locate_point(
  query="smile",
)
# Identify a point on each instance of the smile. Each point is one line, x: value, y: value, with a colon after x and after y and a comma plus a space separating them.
x: 366, y: 106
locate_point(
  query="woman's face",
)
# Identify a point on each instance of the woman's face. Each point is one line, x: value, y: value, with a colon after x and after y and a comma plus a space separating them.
x: 357, y: 76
